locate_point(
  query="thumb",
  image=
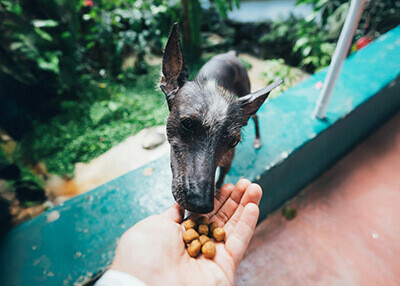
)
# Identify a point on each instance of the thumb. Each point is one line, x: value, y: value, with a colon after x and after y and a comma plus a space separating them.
x: 174, y: 213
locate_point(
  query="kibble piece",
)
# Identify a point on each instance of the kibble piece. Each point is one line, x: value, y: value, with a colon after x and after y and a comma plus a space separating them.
x: 208, y: 249
x: 194, y: 248
x: 218, y: 234
x: 203, y: 229
x: 190, y: 235
x: 189, y: 224
x: 203, y: 220
x: 212, y: 226
x: 203, y: 239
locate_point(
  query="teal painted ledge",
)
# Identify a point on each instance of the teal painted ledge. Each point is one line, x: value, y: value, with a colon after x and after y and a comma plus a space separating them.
x: 75, y: 241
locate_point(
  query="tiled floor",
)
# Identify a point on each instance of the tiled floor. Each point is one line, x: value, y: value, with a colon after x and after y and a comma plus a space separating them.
x: 347, y: 228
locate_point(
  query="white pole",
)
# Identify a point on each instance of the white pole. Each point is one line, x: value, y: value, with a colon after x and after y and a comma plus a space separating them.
x: 343, y: 45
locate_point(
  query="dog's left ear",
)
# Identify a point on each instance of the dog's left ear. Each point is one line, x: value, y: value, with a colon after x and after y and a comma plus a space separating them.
x: 174, y: 72
x: 253, y: 101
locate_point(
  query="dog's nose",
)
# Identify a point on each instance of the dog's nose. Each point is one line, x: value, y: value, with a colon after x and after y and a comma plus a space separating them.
x: 200, y: 199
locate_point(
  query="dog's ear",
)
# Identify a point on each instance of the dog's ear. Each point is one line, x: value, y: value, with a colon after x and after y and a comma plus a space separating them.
x: 253, y: 101
x: 174, y: 72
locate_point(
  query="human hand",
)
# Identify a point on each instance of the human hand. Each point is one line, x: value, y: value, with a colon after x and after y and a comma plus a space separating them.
x: 153, y: 249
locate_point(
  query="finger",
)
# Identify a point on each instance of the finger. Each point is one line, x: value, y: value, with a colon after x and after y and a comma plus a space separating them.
x: 238, y: 241
x: 174, y: 213
x: 231, y: 204
x: 221, y: 197
x: 253, y: 195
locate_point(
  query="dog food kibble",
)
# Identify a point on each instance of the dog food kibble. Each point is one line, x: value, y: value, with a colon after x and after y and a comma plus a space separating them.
x: 203, y: 220
x: 198, y: 236
x: 218, y: 234
x: 208, y: 250
x: 190, y: 235
x: 212, y: 226
x: 203, y: 229
x: 189, y: 224
x: 203, y: 239
x: 194, y: 248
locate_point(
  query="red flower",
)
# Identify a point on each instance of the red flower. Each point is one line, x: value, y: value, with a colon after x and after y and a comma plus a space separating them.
x: 88, y: 3
x: 363, y: 41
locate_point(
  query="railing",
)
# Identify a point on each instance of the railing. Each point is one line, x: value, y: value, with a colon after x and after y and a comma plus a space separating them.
x: 342, y: 48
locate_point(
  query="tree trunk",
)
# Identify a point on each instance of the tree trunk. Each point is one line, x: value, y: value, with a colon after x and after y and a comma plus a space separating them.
x: 191, y: 30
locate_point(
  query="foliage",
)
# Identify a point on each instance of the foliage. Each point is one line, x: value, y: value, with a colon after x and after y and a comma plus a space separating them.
x: 118, y: 29
x: 37, y: 47
x: 314, y: 45
x: 278, y: 42
x: 310, y: 42
x: 61, y: 62
x: 64, y: 38
x: 27, y: 186
x: 379, y: 16
x: 224, y: 6
x: 319, y: 32
x: 246, y: 64
x: 278, y: 69
x: 289, y: 213
x: 194, y: 17
x: 84, y: 129
x: 51, y: 49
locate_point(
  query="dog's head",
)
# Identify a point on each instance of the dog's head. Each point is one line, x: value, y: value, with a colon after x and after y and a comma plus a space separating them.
x: 203, y: 127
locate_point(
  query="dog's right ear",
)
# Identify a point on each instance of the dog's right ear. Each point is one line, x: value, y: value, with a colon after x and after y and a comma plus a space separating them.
x: 253, y: 101
x: 174, y: 72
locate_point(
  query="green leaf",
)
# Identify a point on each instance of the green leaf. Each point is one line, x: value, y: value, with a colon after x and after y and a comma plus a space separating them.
x: 114, y: 106
x: 97, y: 112
x: 66, y: 35
x: 50, y: 64
x: 12, y: 7
x: 306, y: 61
x: 299, y: 43
x: 299, y: 2
x: 44, y: 23
x: 306, y: 51
x: 16, y: 46
x: 44, y: 35
x: 328, y: 48
x: 102, y: 110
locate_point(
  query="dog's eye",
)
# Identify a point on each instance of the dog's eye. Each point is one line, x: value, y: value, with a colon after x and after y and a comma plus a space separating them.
x: 187, y: 124
x: 234, y: 143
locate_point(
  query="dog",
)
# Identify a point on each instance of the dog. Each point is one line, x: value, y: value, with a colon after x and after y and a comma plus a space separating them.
x: 205, y: 121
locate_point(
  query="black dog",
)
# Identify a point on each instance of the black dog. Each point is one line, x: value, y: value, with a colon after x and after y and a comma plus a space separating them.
x: 206, y: 116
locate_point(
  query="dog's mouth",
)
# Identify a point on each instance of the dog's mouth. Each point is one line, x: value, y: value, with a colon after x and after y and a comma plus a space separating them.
x: 195, y: 199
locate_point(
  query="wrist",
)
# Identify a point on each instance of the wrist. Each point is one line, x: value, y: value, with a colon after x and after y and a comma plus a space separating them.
x: 114, y: 277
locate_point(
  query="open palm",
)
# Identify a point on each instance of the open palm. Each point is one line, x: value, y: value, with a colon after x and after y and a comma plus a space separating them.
x: 153, y: 249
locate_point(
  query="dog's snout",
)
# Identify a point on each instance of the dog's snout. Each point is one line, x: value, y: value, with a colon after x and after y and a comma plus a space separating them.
x: 200, y: 204
x: 200, y: 198
x: 193, y: 184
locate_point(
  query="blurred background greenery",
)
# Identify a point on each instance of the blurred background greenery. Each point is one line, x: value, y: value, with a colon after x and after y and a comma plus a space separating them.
x: 78, y: 77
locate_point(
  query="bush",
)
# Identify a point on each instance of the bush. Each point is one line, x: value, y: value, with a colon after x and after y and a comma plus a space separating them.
x: 84, y: 129
x: 280, y: 39
x: 320, y: 31
x: 51, y: 49
x: 310, y: 42
x: 39, y: 44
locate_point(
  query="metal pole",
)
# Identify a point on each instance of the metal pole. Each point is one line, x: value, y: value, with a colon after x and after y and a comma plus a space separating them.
x: 343, y: 45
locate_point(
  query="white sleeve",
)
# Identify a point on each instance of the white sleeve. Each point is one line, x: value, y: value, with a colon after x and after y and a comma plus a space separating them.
x: 114, y: 277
